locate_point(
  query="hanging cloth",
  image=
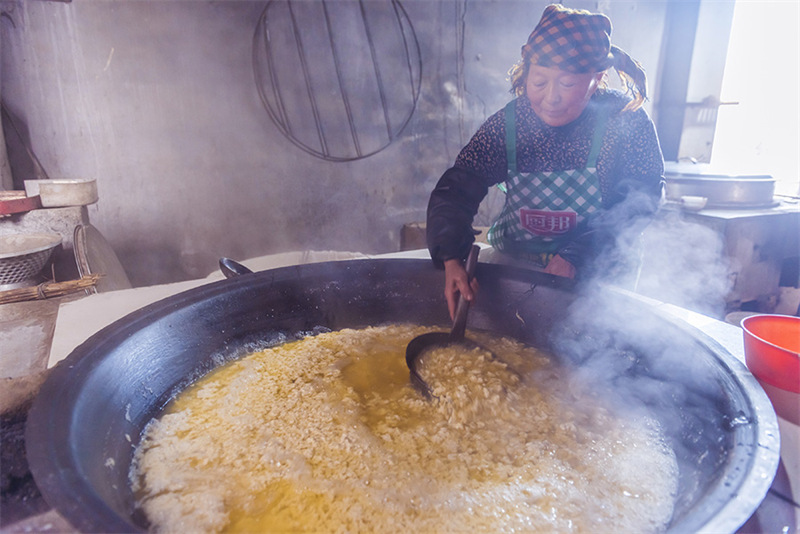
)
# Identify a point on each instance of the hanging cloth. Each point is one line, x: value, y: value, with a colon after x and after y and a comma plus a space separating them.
x: 542, y: 209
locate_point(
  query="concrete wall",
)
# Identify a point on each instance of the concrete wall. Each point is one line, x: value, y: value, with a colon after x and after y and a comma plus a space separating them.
x: 157, y: 100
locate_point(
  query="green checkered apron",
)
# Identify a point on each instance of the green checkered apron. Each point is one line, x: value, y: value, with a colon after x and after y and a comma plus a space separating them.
x: 542, y: 209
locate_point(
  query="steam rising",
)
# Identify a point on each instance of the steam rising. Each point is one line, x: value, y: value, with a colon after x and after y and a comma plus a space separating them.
x: 632, y: 356
x: 605, y: 334
x: 684, y: 265
x: 671, y: 259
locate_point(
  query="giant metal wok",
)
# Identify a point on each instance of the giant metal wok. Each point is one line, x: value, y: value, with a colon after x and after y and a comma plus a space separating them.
x: 89, y: 415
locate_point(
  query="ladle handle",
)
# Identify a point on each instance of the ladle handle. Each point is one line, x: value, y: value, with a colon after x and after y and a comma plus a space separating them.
x: 462, y: 307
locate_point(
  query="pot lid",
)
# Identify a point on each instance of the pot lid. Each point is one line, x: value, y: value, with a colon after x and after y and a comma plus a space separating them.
x: 674, y: 170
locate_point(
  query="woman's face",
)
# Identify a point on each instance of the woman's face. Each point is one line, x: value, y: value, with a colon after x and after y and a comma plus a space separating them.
x: 559, y: 97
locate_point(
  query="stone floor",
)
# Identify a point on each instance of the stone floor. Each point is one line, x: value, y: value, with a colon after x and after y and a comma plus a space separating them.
x: 19, y: 497
x: 26, y: 331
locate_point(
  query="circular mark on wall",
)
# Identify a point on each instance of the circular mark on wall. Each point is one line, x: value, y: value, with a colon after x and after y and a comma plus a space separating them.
x: 340, y: 79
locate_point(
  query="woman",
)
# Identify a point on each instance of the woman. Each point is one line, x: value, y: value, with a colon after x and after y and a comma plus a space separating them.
x: 578, y: 162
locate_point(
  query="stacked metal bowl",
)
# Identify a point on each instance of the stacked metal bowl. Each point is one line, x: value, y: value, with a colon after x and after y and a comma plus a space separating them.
x: 23, y: 256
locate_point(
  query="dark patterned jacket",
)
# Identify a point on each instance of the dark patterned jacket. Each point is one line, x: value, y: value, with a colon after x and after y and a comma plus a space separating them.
x: 630, y: 168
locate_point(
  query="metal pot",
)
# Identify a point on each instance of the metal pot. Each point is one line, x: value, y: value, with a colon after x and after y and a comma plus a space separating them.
x: 89, y: 414
x: 720, y: 190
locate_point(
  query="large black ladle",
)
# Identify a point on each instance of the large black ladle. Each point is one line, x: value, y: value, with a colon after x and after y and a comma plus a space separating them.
x: 420, y: 344
x: 417, y: 346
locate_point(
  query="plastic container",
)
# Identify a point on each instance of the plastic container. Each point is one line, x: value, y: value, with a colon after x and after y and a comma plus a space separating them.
x: 61, y: 193
x: 772, y: 353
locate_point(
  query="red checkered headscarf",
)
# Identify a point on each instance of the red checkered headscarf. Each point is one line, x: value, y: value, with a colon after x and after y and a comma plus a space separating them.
x: 575, y: 40
x: 571, y: 40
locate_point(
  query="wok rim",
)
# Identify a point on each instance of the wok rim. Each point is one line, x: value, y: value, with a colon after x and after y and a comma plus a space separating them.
x: 746, y: 497
x: 71, y: 494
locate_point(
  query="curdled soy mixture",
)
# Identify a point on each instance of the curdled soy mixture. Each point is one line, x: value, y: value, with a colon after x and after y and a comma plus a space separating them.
x: 327, y: 435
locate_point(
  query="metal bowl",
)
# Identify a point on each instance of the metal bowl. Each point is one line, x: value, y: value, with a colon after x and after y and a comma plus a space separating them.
x: 22, y: 257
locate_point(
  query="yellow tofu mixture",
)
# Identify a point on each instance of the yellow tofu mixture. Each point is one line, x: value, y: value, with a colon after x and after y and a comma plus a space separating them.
x: 326, y: 434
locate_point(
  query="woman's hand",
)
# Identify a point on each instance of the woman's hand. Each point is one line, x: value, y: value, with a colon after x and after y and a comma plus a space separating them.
x: 560, y: 267
x: 455, y: 282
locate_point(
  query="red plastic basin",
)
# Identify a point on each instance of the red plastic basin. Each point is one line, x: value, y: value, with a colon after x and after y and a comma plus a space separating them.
x: 772, y: 349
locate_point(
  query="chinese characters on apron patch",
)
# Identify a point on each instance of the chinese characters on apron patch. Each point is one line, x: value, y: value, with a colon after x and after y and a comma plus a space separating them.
x: 543, y: 209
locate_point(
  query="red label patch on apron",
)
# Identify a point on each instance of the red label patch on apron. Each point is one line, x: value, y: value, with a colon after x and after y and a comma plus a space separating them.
x: 547, y: 223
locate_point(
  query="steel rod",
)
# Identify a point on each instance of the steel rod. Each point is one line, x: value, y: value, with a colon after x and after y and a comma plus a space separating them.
x: 307, y: 79
x: 381, y: 90
x: 340, y: 80
x: 282, y: 119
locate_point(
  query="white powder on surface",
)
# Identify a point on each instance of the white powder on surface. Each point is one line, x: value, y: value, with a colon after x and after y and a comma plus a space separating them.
x: 327, y: 435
